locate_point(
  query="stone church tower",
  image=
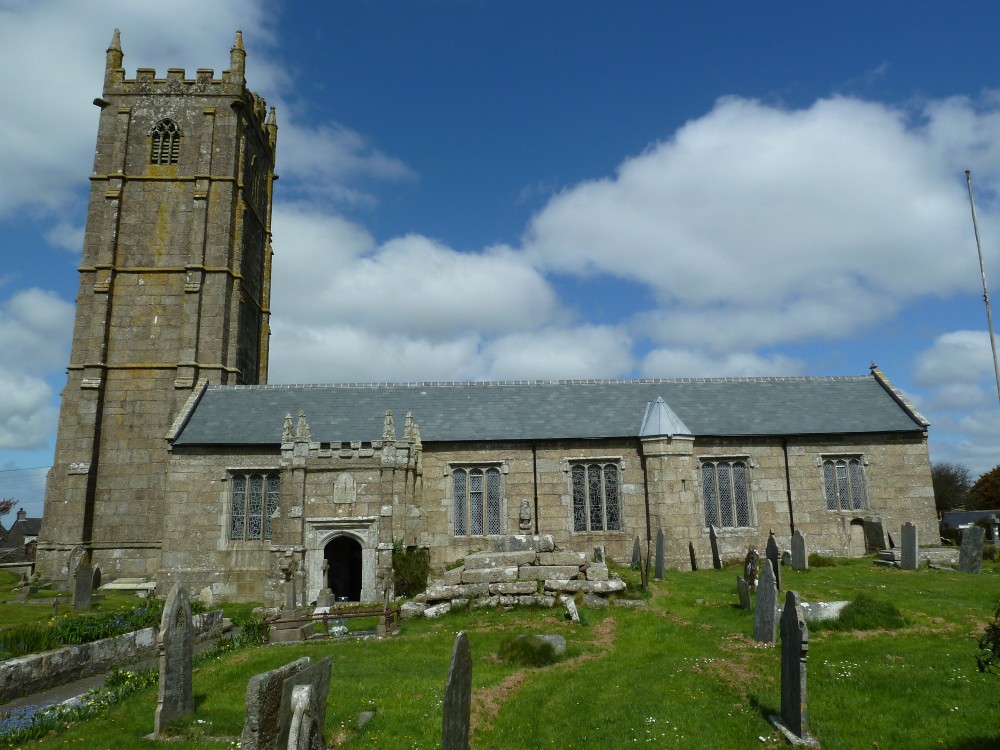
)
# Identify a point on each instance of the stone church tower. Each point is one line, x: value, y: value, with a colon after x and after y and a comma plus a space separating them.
x: 174, y: 289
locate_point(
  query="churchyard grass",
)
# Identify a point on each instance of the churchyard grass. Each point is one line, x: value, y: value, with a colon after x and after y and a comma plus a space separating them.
x: 680, y: 672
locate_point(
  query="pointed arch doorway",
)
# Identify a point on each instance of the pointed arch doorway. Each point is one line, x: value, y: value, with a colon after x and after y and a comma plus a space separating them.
x: 343, y: 556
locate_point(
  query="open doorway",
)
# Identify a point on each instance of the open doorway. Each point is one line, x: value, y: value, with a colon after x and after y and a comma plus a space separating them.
x: 343, y: 555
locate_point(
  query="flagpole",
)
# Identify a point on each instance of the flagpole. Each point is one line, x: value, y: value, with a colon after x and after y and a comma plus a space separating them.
x: 986, y: 289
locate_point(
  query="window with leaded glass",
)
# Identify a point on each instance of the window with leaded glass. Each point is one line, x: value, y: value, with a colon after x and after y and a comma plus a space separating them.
x: 844, y: 484
x: 596, y: 497
x: 476, y: 495
x: 166, y: 145
x: 725, y: 491
x: 254, y: 499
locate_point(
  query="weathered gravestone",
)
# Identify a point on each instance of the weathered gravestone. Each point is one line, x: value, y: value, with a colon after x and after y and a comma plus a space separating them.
x: 908, y: 537
x: 694, y: 557
x: 716, y: 560
x: 457, y: 697
x: 636, y: 556
x: 794, y: 719
x: 599, y: 554
x: 772, y: 555
x: 751, y: 564
x: 800, y: 560
x: 765, y: 622
x: 874, y: 534
x: 970, y: 556
x: 175, y: 642
x: 288, y: 705
x: 83, y: 580
x: 660, y: 552
x: 743, y: 592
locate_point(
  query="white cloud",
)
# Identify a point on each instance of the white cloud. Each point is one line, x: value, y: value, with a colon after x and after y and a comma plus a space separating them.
x: 27, y: 417
x: 679, y: 363
x: 66, y: 235
x: 35, y: 329
x: 787, y: 224
x: 560, y: 353
x: 955, y: 357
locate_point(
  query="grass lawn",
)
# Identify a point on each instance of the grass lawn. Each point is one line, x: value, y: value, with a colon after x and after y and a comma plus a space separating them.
x: 681, y: 672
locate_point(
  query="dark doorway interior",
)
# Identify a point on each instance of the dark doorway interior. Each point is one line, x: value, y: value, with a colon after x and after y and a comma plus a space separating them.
x: 343, y: 554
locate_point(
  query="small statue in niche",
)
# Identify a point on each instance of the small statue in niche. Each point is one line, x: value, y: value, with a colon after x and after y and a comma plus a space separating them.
x: 524, y: 516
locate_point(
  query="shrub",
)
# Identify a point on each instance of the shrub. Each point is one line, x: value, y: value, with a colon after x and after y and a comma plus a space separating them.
x: 528, y: 651
x: 410, y: 568
x: 866, y: 612
x: 817, y: 560
x: 989, y: 645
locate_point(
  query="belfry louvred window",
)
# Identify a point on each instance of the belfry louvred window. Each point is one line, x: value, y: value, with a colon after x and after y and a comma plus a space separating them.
x: 166, y: 146
x: 254, y: 500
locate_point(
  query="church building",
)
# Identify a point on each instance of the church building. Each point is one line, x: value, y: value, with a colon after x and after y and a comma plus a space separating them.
x: 176, y: 462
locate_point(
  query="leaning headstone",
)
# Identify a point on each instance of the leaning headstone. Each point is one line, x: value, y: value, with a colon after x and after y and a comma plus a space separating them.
x: 660, y: 551
x: 175, y: 699
x: 800, y: 560
x: 892, y: 542
x: 694, y: 557
x: 82, y: 581
x: 874, y: 534
x: 970, y: 556
x: 772, y: 555
x: 456, y: 717
x: 751, y: 564
x: 716, y: 560
x: 794, y: 719
x: 572, y: 613
x: 743, y: 592
x: 908, y: 537
x: 636, y: 556
x: 765, y: 623
x: 279, y: 710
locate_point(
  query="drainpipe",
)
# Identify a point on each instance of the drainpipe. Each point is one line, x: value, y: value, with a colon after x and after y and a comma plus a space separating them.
x: 534, y: 480
x: 788, y: 486
x: 649, y: 538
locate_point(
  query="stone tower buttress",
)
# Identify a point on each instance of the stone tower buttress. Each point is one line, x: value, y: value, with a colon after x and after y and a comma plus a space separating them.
x: 174, y: 289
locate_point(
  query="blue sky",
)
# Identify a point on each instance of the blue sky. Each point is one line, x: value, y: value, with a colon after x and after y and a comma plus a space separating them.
x: 499, y: 190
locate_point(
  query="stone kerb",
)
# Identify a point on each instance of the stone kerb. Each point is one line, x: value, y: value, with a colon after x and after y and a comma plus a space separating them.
x: 33, y: 673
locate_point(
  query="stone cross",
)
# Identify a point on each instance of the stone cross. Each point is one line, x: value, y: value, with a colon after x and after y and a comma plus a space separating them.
x: 800, y: 560
x: 325, y: 597
x: 743, y: 592
x: 909, y: 554
x: 457, y: 697
x: 794, y: 717
x: 175, y: 643
x: 636, y: 555
x: 660, y: 551
x: 714, y: 539
x: 694, y: 557
x: 289, y: 566
x: 970, y: 556
x: 773, y: 556
x: 765, y: 623
x: 83, y: 581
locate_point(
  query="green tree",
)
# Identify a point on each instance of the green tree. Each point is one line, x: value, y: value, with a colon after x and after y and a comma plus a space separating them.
x: 985, y: 493
x: 952, y: 483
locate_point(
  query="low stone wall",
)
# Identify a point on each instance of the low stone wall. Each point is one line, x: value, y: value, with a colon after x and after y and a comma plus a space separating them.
x: 33, y: 673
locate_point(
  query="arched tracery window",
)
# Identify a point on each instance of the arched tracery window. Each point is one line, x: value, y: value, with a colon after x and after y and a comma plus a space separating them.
x: 166, y: 146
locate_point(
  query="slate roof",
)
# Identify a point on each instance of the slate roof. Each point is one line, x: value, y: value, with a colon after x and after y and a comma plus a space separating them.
x: 546, y: 410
